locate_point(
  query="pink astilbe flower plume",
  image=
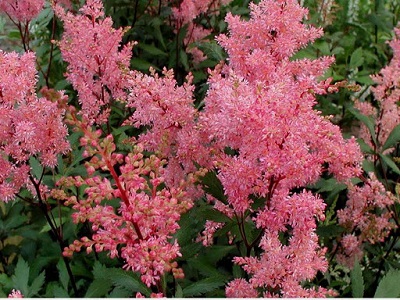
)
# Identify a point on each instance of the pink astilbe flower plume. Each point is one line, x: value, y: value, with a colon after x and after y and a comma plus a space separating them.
x: 96, y: 67
x: 168, y: 112
x: 140, y: 229
x: 366, y: 213
x: 260, y: 106
x: 29, y: 126
x: 21, y: 10
x: 387, y: 94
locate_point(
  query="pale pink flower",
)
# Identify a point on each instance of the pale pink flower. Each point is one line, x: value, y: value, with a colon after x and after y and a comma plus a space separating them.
x: 96, y: 67
x: 15, y: 294
x: 167, y: 109
x: 29, y: 126
x: 260, y: 108
x: 240, y: 288
x: 350, y: 250
x: 21, y: 10
x: 387, y: 94
x: 140, y: 230
x: 366, y: 212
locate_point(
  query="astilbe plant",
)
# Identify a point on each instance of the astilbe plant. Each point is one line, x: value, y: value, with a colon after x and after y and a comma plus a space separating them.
x: 258, y: 132
x: 140, y: 229
x: 387, y: 95
x: 366, y: 218
x: 369, y: 216
x: 96, y: 67
x: 260, y: 106
x: 29, y: 126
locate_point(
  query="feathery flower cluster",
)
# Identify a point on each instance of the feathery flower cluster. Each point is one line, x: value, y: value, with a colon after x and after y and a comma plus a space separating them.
x: 96, y: 68
x: 260, y: 106
x: 387, y: 94
x: 366, y: 214
x: 167, y: 109
x: 140, y: 229
x: 29, y: 126
x: 21, y: 10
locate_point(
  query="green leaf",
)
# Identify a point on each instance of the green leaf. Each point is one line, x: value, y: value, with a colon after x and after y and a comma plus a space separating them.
x: 36, y: 167
x: 203, y: 286
x: 213, y: 186
x: 210, y: 213
x: 356, y: 59
x: 389, y: 286
x: 393, y: 138
x: 47, y: 227
x: 357, y: 281
x: 36, y: 285
x: 368, y: 121
x: 21, y: 277
x: 388, y: 161
x: 151, y: 49
x: 365, y: 148
x: 141, y: 64
x: 98, y: 288
x: 63, y: 274
x: 178, y: 291
x: 128, y: 281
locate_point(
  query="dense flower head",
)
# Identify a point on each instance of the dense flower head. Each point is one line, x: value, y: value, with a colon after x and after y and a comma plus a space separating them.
x: 366, y: 213
x: 29, y: 126
x: 140, y: 229
x: 21, y: 10
x: 387, y: 94
x: 285, y: 264
x: 168, y: 112
x: 266, y: 140
x: 96, y: 67
x: 240, y: 288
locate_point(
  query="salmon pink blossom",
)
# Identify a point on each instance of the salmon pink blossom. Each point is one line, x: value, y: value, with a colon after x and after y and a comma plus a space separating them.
x: 29, y: 126
x: 96, y: 67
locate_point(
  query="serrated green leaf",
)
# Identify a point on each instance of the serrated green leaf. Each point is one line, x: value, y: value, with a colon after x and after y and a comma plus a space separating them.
x: 210, y: 213
x: 389, y: 286
x: 128, y: 281
x: 98, y: 288
x: 203, y: 286
x: 63, y: 274
x: 59, y: 292
x: 356, y: 59
x: 213, y: 186
x: 357, y: 281
x: 151, y: 49
x: 21, y: 276
x: 120, y: 292
x: 47, y: 227
x: 393, y: 138
x: 391, y: 164
x: 178, y: 291
x: 36, y: 167
x: 36, y: 285
x: 368, y: 121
